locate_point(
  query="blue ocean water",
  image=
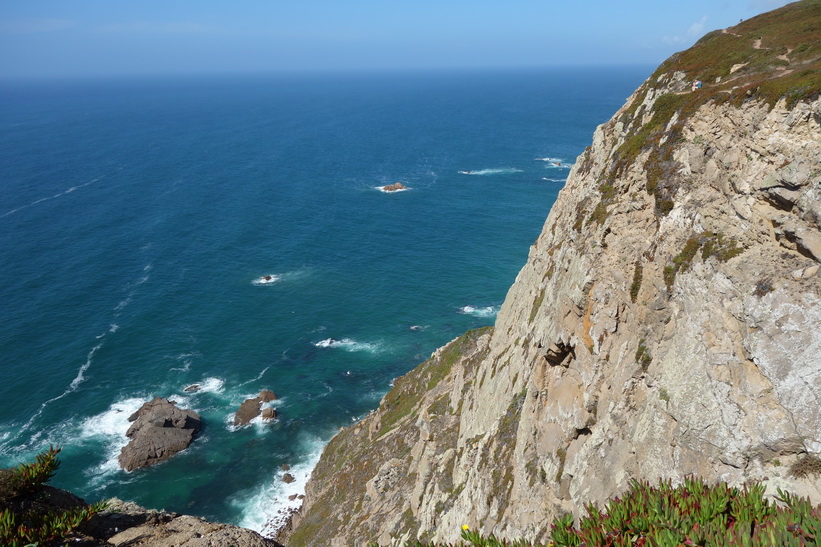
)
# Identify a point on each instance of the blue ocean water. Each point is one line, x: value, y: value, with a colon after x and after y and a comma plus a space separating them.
x: 139, y: 217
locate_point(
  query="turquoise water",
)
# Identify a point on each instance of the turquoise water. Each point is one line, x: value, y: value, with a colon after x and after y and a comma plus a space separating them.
x: 138, y: 216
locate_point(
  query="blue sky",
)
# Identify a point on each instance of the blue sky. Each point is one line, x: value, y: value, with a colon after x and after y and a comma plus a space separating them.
x: 59, y: 38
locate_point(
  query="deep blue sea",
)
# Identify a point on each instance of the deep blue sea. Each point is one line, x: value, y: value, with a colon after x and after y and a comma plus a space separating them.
x: 138, y: 217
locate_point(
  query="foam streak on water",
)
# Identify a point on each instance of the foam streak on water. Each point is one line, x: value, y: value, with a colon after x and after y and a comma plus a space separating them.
x: 232, y: 238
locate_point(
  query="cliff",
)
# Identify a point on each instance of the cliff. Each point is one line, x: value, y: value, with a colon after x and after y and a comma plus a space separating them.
x: 666, y: 322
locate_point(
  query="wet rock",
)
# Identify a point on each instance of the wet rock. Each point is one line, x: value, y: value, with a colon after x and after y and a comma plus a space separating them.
x: 159, y: 431
x: 395, y: 187
x: 252, y: 408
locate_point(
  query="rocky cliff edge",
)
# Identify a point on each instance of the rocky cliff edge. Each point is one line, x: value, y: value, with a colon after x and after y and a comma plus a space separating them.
x: 666, y: 322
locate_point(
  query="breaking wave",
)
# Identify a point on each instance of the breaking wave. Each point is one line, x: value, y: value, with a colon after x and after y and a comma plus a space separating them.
x: 499, y: 171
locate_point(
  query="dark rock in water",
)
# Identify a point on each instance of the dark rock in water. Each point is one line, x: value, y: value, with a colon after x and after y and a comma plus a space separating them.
x: 252, y: 408
x: 159, y: 431
x: 395, y: 187
x: 193, y: 388
x: 285, y: 467
x: 248, y: 410
x: 288, y: 478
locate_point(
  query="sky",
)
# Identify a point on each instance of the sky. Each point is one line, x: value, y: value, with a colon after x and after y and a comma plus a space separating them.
x: 76, y: 38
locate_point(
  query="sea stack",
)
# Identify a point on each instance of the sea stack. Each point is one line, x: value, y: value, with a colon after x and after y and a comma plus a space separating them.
x: 159, y: 431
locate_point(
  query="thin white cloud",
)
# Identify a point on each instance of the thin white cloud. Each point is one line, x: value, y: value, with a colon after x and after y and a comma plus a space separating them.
x: 697, y: 28
x: 148, y: 27
x: 686, y: 37
x: 32, y: 26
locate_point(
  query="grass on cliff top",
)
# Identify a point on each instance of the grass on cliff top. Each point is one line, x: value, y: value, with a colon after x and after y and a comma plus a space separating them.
x: 771, y: 57
x: 780, y: 52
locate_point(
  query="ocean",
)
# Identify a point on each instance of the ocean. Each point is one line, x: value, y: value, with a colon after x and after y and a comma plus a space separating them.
x: 139, y: 218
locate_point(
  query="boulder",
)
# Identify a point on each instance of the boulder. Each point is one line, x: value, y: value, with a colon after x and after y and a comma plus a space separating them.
x: 288, y: 478
x: 159, y: 431
x: 395, y: 187
x: 251, y: 408
x: 248, y: 410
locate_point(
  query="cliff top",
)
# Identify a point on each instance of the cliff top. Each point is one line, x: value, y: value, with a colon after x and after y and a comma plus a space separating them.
x: 773, y: 55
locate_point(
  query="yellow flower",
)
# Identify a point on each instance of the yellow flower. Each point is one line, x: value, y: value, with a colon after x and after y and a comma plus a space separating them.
x: 465, y: 527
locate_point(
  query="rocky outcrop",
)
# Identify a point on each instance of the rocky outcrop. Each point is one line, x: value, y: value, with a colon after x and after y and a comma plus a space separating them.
x: 251, y: 408
x: 159, y: 431
x: 395, y: 187
x: 127, y: 524
x: 665, y: 324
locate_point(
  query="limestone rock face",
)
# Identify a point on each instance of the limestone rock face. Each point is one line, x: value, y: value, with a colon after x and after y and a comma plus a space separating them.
x: 159, y: 431
x: 666, y: 323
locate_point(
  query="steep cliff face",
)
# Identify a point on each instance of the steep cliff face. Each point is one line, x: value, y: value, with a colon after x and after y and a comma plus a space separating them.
x: 667, y: 322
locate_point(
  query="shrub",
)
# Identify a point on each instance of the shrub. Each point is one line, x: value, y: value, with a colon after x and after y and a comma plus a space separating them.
x: 694, y: 514
x: 636, y: 285
x: 643, y: 356
x: 26, y: 516
x: 806, y: 466
x: 764, y: 286
x: 712, y: 244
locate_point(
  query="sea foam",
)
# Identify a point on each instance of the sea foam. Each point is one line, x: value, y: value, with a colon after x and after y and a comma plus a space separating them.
x: 268, y: 279
x: 267, y: 508
x: 487, y: 311
x: 109, y: 428
x: 498, y: 171
x: 347, y: 344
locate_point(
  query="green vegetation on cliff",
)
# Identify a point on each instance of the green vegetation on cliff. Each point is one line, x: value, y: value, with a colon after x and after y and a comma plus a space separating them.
x: 771, y: 57
x: 33, y: 513
x: 693, y: 513
x: 348, y: 469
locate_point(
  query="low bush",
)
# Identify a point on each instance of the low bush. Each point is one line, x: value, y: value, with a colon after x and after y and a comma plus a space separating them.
x: 27, y: 516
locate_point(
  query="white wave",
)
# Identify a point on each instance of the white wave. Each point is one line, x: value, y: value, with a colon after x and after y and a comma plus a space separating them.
x: 266, y: 509
x: 109, y: 427
x: 261, y: 374
x: 207, y: 385
x: 499, y: 171
x: 114, y: 327
x: 48, y: 198
x: 558, y: 165
x: 553, y: 180
x: 347, y: 344
x: 553, y: 160
x: 72, y: 387
x: 487, y: 311
x: 267, y: 279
